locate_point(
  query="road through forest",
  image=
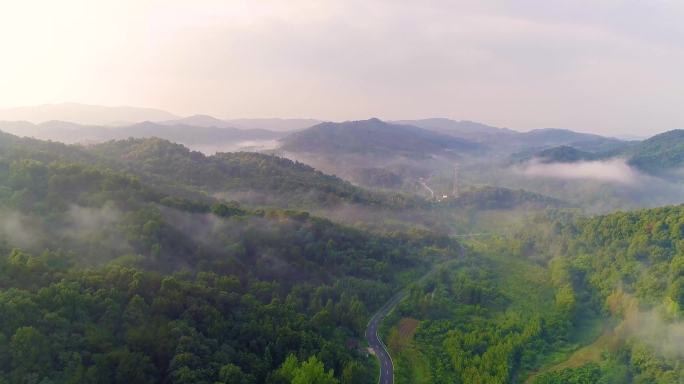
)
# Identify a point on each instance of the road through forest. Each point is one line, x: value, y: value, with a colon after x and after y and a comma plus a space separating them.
x: 374, y: 341
x: 379, y: 348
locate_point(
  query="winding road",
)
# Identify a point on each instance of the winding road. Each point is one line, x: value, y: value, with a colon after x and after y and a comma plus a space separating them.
x: 379, y: 348
x: 374, y: 341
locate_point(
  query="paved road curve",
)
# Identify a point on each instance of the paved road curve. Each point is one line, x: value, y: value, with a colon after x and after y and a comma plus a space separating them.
x: 386, y: 364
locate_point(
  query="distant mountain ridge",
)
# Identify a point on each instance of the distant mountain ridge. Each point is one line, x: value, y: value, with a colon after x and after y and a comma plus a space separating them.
x: 549, y: 137
x: 465, y: 129
x: 84, y: 114
x: 277, y: 125
x: 225, y: 137
x: 514, y: 141
x: 198, y: 121
x: 82, y: 123
x: 373, y: 136
x: 123, y: 116
x: 562, y: 154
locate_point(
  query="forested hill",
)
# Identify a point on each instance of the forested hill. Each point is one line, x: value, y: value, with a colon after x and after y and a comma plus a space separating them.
x: 249, y: 177
x: 107, y: 280
x: 245, y: 176
x: 652, y: 240
x: 374, y: 137
x: 560, y: 154
x: 470, y: 130
x: 659, y: 154
x: 632, y: 264
x: 564, y: 300
x: 46, y: 151
x: 549, y: 137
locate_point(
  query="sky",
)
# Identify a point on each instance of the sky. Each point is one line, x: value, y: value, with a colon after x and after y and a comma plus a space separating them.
x: 610, y: 67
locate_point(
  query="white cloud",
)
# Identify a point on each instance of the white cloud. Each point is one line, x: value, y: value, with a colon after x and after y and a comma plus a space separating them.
x: 614, y: 171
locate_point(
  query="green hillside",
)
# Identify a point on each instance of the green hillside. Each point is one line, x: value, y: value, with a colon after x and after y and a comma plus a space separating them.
x: 564, y: 300
x: 564, y: 154
x: 659, y: 154
x: 253, y: 177
x: 106, y: 280
x: 130, y: 261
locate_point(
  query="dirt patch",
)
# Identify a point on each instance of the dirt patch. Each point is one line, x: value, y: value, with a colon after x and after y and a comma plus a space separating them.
x: 402, y: 334
x: 407, y: 327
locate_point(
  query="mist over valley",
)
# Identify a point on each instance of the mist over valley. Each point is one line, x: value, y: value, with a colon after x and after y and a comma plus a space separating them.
x: 341, y: 192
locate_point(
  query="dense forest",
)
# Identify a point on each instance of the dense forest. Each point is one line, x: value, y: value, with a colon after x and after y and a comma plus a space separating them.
x: 261, y: 178
x: 293, y: 192
x: 143, y: 261
x: 106, y: 278
x: 565, y: 300
x: 489, y: 319
x: 632, y: 262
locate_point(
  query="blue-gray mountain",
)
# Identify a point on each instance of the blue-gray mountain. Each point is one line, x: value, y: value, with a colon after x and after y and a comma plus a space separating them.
x: 376, y: 137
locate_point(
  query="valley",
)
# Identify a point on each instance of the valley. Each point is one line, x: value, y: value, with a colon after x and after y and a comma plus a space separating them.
x: 281, y: 264
x: 341, y: 192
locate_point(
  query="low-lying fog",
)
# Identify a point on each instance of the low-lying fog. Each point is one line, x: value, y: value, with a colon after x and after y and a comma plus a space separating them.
x: 249, y: 146
x: 611, y: 171
x: 598, y: 186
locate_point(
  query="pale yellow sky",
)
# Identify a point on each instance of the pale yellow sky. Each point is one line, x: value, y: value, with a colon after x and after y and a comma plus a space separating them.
x: 605, y: 66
